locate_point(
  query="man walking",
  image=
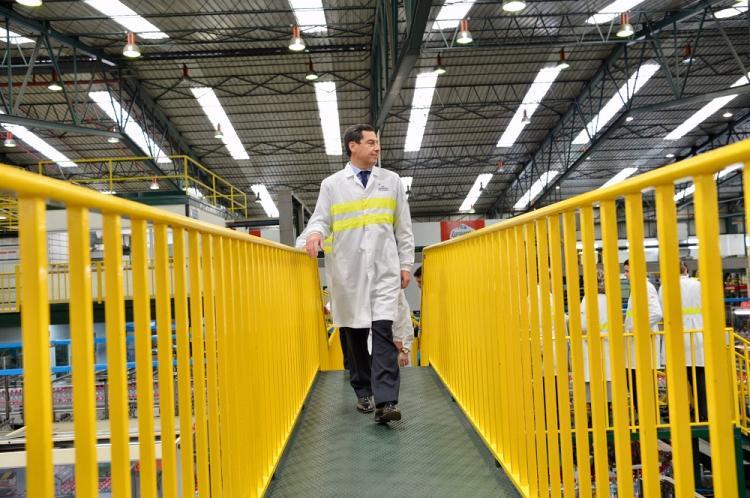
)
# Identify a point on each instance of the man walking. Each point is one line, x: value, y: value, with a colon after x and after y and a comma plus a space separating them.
x: 364, y: 210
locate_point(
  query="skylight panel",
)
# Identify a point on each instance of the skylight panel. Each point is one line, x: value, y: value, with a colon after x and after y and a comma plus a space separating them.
x: 705, y: 112
x: 622, y: 175
x: 116, y: 113
x: 617, y: 102
x: 127, y: 18
x: 15, y: 38
x: 215, y: 112
x: 311, y: 17
x: 37, y: 143
x: 739, y: 8
x: 612, y: 10
x: 325, y: 93
x: 406, y: 183
x: 476, y: 190
x: 265, y: 201
x: 420, y: 110
x: 539, y: 88
x: 536, y: 189
x: 451, y: 14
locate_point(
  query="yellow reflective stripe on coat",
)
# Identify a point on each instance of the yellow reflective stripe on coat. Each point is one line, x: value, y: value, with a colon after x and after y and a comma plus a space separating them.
x: 691, y: 311
x: 328, y: 245
x: 364, y: 204
x: 362, y: 221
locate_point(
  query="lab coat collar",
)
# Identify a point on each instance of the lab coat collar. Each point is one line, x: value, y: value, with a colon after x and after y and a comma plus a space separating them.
x: 349, y: 172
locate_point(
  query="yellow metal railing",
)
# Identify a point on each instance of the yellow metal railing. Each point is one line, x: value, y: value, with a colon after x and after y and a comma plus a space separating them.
x: 494, y: 313
x: 132, y: 174
x: 244, y: 362
x: 8, y: 214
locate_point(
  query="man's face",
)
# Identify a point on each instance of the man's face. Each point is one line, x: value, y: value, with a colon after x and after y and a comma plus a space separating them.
x: 367, y: 150
x: 419, y: 281
x: 626, y: 271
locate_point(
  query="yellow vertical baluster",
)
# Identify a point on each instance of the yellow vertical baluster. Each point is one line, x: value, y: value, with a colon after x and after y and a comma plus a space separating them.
x: 116, y: 357
x: 643, y: 357
x: 536, y: 360
x: 208, y: 266
x: 718, y: 385
x: 165, y: 356
x: 623, y: 457
x: 82, y: 343
x: 184, y: 384
x: 596, y: 386
x: 199, y: 377
x: 548, y: 355
x: 36, y: 357
x: 143, y: 358
x: 576, y: 349
x: 679, y: 410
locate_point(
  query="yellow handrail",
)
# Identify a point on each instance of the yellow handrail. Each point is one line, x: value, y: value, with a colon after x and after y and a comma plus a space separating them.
x: 506, y: 359
x: 245, y: 364
x: 217, y: 188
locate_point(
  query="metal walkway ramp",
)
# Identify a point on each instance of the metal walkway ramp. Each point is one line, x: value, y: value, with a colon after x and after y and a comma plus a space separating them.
x: 433, y: 451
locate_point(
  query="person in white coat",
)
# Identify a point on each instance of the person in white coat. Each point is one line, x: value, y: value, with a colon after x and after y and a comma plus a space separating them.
x: 365, y: 211
x: 692, y: 325
x: 654, y: 317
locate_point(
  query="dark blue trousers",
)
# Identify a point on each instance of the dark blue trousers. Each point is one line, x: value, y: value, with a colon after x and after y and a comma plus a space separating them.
x: 379, y: 375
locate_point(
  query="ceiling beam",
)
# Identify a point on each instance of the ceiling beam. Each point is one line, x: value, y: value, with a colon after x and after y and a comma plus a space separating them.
x: 64, y: 127
x: 407, y: 58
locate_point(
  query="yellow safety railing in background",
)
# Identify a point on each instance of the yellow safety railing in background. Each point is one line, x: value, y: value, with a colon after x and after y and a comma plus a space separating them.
x: 132, y: 174
x: 8, y: 214
x: 249, y: 360
x: 59, y: 284
x: 494, y: 315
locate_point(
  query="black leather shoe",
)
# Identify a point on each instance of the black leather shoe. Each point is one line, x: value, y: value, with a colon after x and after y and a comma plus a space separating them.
x: 365, y: 404
x: 387, y: 413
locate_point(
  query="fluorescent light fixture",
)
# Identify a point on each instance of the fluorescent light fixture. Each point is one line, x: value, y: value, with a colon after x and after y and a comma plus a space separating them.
x: 669, y: 155
x: 451, y: 13
x: 127, y: 18
x: 325, y: 93
x: 539, y: 88
x: 612, y: 10
x: 37, y: 143
x: 536, y: 189
x: 108, y: 192
x: 618, y: 101
x: 406, y: 183
x: 705, y: 112
x: 265, y: 200
x: 739, y: 8
x: 688, y: 191
x: 15, y: 38
x: 476, y: 190
x: 424, y: 89
x: 623, y: 174
x: 208, y: 100
x: 310, y: 15
x: 116, y: 113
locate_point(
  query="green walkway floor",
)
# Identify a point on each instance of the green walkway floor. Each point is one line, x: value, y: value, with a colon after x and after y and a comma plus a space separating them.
x: 433, y: 451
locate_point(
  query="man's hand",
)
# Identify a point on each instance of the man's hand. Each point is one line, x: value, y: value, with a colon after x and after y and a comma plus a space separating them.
x: 405, y: 279
x: 398, y: 345
x: 403, y: 359
x: 314, y: 245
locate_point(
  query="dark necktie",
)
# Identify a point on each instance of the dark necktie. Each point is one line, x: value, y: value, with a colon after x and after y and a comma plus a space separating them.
x: 364, y: 175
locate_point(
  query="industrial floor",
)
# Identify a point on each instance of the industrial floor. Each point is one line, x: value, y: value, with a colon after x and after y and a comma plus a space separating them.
x: 432, y: 451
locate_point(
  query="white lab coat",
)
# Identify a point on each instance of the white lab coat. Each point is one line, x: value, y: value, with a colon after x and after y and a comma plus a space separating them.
x: 692, y: 319
x: 654, y: 317
x: 372, y: 242
x: 601, y: 300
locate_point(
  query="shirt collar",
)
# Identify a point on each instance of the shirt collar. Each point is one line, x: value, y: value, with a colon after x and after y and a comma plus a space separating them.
x: 356, y: 170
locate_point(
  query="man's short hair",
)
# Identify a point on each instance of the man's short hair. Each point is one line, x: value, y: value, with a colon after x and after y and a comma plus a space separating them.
x: 683, y: 267
x: 354, y: 134
x: 418, y: 272
x: 626, y: 262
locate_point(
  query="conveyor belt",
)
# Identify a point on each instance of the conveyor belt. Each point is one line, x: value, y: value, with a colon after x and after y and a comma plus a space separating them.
x: 433, y: 451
